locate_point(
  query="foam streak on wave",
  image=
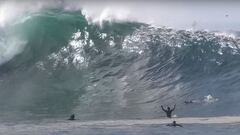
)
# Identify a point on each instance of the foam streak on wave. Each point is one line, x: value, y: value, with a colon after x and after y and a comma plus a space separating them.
x: 9, y: 47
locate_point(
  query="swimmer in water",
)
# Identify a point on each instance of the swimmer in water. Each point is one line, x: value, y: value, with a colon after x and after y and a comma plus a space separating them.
x: 168, y: 111
x: 72, y: 117
x: 174, y: 124
x: 188, y: 102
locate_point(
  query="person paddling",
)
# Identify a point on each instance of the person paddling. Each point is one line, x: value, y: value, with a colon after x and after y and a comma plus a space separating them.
x: 174, y: 124
x: 168, y: 111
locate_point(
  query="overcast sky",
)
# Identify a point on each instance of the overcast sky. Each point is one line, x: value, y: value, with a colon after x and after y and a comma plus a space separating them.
x: 202, y: 15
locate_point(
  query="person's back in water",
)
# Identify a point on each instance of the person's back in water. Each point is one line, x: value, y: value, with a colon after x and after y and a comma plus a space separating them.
x: 72, y: 117
x: 168, y: 111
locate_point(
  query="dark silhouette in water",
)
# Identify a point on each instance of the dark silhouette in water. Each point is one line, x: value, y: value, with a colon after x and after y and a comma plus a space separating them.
x: 188, y: 102
x: 72, y: 117
x: 168, y: 111
x: 174, y: 124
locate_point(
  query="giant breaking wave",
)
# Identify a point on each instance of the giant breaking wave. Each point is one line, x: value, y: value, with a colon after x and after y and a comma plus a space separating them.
x: 56, y: 62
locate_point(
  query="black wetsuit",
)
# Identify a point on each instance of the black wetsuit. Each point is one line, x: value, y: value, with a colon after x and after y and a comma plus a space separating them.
x: 169, y: 111
x: 72, y: 117
x: 188, y: 102
x: 174, y: 124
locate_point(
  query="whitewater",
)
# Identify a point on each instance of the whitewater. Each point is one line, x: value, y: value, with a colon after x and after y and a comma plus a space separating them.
x: 114, y: 65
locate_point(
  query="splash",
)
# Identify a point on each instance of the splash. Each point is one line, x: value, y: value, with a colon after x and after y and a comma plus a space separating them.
x: 210, y: 99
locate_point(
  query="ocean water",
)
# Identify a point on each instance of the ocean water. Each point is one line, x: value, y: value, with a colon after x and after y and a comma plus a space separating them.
x: 75, y: 128
x: 59, y: 60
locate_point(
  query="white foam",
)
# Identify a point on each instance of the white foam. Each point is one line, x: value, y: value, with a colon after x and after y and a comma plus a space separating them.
x: 74, y: 50
x: 210, y: 99
x: 10, y: 12
x: 224, y: 34
x: 9, y: 47
x: 107, y: 13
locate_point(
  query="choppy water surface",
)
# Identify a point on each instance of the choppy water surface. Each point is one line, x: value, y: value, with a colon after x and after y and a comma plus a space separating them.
x: 55, y: 61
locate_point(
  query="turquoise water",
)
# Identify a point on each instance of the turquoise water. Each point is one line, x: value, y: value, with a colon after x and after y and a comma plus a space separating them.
x: 56, y: 61
x: 119, y: 70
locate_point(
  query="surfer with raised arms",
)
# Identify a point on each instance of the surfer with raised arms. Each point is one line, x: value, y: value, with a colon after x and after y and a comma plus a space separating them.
x: 168, y: 111
x: 174, y: 124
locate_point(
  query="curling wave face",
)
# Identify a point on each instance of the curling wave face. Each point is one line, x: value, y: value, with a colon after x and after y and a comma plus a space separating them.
x: 56, y: 62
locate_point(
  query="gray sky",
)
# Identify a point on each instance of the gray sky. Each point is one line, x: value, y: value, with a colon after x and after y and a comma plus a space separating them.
x: 182, y: 15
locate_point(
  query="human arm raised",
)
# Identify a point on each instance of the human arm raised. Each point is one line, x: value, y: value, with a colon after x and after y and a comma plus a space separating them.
x: 163, y: 108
